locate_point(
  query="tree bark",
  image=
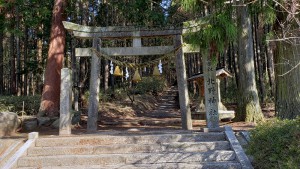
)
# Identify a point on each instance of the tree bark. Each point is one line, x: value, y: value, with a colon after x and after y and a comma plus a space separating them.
x: 234, y: 61
x: 249, y: 108
x: 12, y: 65
x: 259, y: 55
x: 38, y: 83
x: 18, y: 80
x: 287, y: 61
x: 270, y: 68
x: 287, y: 70
x: 25, y: 86
x: 1, y: 63
x: 74, y: 75
x: 51, y: 92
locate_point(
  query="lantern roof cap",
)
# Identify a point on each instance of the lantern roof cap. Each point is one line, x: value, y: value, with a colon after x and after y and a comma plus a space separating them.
x: 220, y: 73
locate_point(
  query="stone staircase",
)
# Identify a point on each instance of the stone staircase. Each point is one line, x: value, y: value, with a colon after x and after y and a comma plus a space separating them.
x: 128, y: 150
x: 166, y: 115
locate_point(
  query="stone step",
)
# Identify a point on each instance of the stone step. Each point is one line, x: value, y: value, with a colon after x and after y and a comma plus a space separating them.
x: 167, y: 102
x: 119, y: 159
x: 160, y: 114
x: 130, y: 148
x: 160, y: 122
x: 133, y: 139
x: 166, y: 105
x: 170, y: 99
x: 203, y: 165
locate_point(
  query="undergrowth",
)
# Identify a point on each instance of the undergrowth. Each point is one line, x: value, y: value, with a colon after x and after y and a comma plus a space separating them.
x: 276, y: 144
x: 29, y: 104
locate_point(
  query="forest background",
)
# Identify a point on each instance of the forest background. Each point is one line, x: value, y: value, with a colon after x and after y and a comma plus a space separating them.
x: 273, y: 30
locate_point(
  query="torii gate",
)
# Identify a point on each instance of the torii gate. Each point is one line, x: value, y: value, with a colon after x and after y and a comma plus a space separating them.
x: 97, y: 33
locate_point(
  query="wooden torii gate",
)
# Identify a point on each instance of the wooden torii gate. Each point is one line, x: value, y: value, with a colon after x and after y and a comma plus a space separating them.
x: 97, y: 33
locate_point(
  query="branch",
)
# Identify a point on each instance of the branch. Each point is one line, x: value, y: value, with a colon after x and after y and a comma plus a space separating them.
x: 283, y: 39
x: 292, y: 13
x: 289, y: 70
x: 293, y: 67
x: 241, y: 5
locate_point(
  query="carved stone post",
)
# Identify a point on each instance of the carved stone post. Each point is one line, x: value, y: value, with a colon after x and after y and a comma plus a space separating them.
x: 211, y: 93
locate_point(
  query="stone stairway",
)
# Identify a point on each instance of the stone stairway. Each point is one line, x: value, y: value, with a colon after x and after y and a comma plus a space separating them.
x: 129, y: 150
x: 166, y: 115
x: 167, y: 112
x: 169, y: 104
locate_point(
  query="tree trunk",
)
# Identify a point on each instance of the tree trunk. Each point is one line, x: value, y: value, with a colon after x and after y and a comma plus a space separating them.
x: 270, y: 68
x: 257, y: 40
x: 51, y: 92
x: 25, y: 62
x: 1, y: 63
x: 38, y: 82
x: 18, y: 80
x: 287, y: 70
x: 74, y: 75
x: 249, y: 108
x: 235, y: 63
x: 83, y: 61
x: 12, y: 65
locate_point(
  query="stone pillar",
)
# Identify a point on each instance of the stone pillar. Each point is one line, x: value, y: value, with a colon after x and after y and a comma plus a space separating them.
x: 184, y: 101
x: 65, y: 103
x: 210, y: 92
x: 137, y: 42
x: 94, y: 90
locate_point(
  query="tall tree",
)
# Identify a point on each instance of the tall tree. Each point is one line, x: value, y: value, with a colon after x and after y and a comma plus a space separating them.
x: 1, y: 53
x: 249, y: 108
x: 287, y: 59
x: 51, y: 92
x: 217, y: 30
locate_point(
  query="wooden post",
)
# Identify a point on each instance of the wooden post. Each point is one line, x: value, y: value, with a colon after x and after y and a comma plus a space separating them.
x: 211, y: 93
x: 65, y: 103
x: 94, y: 90
x: 184, y: 102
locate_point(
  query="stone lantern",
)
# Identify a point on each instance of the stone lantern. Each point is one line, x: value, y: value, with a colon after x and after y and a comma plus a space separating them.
x: 200, y: 109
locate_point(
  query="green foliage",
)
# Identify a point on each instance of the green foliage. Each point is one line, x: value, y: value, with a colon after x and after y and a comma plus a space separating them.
x: 15, y: 103
x: 190, y: 5
x: 276, y: 144
x: 216, y: 29
x: 138, y: 13
x: 229, y: 96
x: 150, y: 84
x: 266, y: 11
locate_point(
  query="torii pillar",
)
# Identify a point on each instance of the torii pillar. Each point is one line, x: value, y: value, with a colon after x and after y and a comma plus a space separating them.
x: 94, y: 90
x: 186, y: 117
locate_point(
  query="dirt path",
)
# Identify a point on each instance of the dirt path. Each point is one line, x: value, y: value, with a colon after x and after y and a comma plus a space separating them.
x: 148, y: 113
